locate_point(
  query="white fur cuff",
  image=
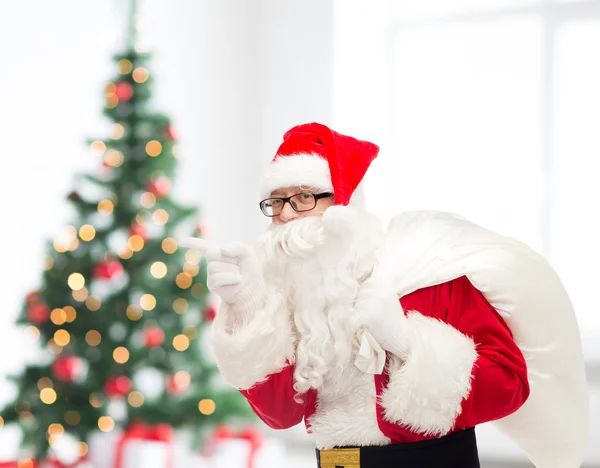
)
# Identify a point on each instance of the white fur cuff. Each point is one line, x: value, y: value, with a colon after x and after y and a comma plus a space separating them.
x: 426, y: 390
x: 250, y: 353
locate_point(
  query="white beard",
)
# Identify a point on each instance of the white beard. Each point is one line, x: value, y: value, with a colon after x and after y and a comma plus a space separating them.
x: 319, y: 263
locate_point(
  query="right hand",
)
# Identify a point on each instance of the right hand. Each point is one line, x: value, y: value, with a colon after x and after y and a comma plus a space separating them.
x: 234, y: 272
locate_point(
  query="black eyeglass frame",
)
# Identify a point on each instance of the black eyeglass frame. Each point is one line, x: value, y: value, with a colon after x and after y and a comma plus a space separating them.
x: 316, y: 196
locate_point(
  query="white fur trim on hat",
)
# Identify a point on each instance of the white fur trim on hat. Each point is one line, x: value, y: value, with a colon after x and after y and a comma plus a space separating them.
x: 297, y: 170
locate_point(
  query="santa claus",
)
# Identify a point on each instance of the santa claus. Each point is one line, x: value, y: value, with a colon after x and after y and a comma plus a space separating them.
x: 392, y: 345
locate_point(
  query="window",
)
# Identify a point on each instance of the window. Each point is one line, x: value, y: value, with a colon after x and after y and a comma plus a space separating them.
x: 492, y: 110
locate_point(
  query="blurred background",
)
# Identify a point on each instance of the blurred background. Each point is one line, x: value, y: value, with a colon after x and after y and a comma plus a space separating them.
x: 488, y: 109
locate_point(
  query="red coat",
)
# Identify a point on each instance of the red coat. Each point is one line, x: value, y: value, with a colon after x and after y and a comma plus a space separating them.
x: 498, y: 384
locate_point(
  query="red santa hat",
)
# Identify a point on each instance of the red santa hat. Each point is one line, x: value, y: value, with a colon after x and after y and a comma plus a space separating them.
x: 313, y: 155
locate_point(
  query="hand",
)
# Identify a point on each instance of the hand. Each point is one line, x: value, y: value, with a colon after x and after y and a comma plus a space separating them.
x: 234, y: 272
x: 378, y: 310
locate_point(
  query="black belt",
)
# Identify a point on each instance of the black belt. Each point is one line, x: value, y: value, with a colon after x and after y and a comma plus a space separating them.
x: 457, y: 450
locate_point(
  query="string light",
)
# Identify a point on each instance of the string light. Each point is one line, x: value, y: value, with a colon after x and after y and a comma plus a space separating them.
x: 114, y: 158
x: 44, y: 382
x: 62, y: 337
x: 98, y: 147
x: 183, y: 280
x: 48, y: 262
x: 180, y: 305
x: 160, y: 216
x: 106, y: 207
x: 153, y: 148
x: 1, y: 422
x: 148, y: 302
x: 96, y: 400
x: 80, y: 295
x: 134, y: 312
x: 106, y: 423
x: 93, y: 338
x: 93, y: 303
x: 72, y: 418
x: 71, y: 313
x: 148, y: 200
x: 117, y: 131
x: 181, y: 342
x: 139, y: 219
x: 207, y: 407
x: 191, y: 269
x: 47, y: 395
x: 121, y: 355
x: 125, y: 66
x: 56, y: 430
x: 87, y: 232
x: 126, y: 254
x: 175, y: 151
x: 135, y: 399
x: 136, y: 243
x: 83, y: 449
x: 193, y: 256
x: 76, y: 281
x: 158, y: 270
x: 112, y: 100
x: 58, y: 316
x: 73, y: 244
x: 169, y: 245
x: 140, y: 75
x: 33, y: 332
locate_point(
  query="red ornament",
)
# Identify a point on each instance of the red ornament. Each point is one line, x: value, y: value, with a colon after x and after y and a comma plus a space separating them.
x: 210, y: 313
x: 124, y: 91
x: 108, y: 269
x: 117, y: 386
x: 68, y: 368
x: 38, y: 313
x: 178, y: 383
x: 138, y: 230
x: 33, y: 297
x: 153, y: 337
x: 159, y: 187
x: 170, y: 133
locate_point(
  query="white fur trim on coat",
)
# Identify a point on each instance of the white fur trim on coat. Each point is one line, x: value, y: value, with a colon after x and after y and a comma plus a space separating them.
x: 303, y: 169
x: 251, y: 352
x: 427, y: 387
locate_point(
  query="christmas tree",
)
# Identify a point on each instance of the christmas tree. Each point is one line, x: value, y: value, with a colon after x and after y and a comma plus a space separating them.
x: 121, y: 310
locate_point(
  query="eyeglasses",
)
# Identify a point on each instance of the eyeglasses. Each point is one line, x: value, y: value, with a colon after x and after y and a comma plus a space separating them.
x: 299, y: 202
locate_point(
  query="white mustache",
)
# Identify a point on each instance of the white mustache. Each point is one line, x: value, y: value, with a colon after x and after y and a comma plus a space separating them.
x: 296, y: 238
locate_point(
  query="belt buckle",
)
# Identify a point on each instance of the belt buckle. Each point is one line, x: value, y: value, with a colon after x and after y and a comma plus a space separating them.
x: 340, y: 458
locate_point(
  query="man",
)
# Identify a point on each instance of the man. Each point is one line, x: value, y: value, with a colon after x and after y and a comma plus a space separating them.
x: 392, y: 345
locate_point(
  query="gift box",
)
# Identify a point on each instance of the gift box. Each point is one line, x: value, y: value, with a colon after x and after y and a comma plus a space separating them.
x: 138, y: 446
x: 248, y: 448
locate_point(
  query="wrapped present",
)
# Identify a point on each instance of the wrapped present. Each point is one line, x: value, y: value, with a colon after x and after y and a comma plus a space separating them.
x: 139, y: 445
x: 247, y: 448
x: 54, y: 462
